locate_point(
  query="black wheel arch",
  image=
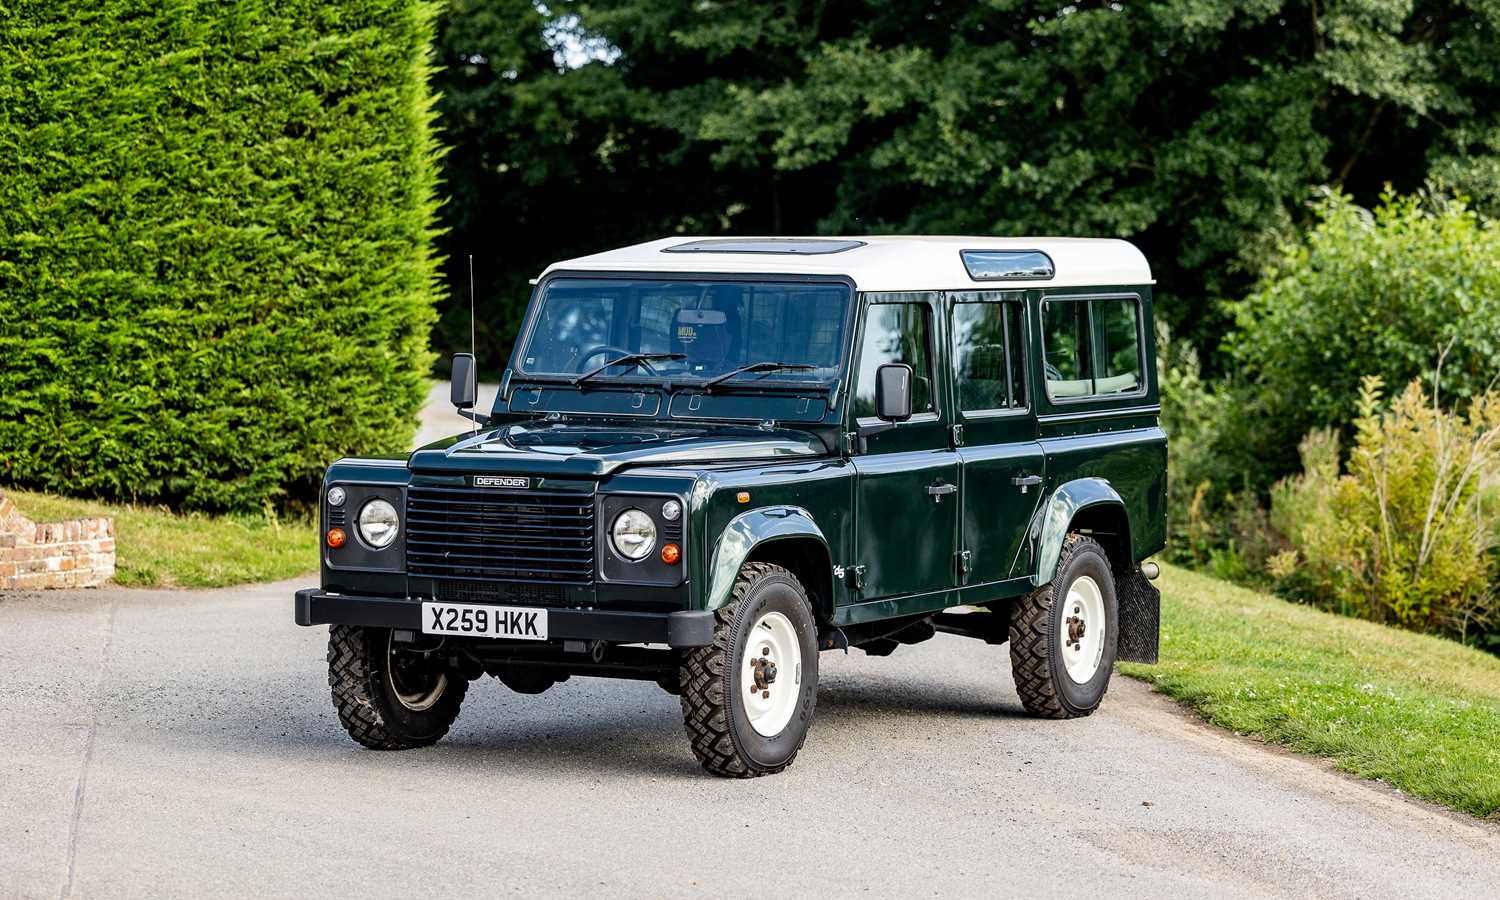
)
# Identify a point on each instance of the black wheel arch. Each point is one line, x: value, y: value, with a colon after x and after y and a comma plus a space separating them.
x: 808, y: 559
x: 1108, y: 524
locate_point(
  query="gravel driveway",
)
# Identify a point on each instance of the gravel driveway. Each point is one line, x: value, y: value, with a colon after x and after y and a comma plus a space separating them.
x: 183, y: 744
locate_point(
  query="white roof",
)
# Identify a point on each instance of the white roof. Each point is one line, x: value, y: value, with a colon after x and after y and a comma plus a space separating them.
x: 887, y: 262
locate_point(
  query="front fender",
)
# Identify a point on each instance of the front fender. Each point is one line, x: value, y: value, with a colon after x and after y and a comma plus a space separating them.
x: 1051, y: 525
x: 743, y: 534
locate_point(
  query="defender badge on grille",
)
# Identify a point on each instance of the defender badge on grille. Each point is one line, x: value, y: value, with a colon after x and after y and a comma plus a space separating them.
x: 502, y: 481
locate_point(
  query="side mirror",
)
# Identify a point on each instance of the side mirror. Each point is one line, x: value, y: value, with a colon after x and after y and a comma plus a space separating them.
x: 893, y: 392
x: 462, y: 390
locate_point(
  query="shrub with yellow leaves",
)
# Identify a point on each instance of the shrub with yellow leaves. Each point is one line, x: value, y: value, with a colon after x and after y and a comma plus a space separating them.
x: 1408, y: 533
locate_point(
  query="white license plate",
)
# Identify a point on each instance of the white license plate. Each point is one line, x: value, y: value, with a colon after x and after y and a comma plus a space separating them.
x: 514, y: 622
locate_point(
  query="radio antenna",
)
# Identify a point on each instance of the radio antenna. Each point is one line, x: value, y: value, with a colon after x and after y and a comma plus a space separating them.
x: 474, y: 368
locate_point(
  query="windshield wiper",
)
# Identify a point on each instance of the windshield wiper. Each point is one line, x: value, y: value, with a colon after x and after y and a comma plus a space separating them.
x: 756, y: 367
x: 629, y: 359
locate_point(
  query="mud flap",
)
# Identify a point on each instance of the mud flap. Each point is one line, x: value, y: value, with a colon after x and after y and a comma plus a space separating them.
x: 1140, y: 618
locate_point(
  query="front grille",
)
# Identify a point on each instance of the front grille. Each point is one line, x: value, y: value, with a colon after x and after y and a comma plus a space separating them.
x: 464, y: 533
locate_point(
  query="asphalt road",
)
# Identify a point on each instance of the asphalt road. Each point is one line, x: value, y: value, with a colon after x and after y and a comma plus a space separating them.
x: 182, y: 744
x: 438, y: 419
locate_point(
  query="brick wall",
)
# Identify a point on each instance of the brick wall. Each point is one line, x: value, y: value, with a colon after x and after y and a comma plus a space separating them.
x: 75, y: 553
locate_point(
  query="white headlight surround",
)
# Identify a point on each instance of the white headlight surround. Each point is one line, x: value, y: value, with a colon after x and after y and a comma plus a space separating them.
x: 633, y: 535
x: 378, y: 524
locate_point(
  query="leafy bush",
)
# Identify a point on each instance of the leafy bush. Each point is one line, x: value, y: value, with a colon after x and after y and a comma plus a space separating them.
x: 215, y: 224
x: 1215, y: 522
x: 1408, y: 534
x: 1364, y: 293
x: 1189, y: 414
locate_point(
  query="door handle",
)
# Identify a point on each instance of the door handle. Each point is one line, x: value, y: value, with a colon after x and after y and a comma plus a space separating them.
x: 1025, y: 481
x: 936, y: 491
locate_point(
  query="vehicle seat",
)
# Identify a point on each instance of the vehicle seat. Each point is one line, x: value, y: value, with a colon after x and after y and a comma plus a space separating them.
x: 708, y: 335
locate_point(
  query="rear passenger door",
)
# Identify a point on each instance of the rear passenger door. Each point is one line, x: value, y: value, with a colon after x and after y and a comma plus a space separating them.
x: 1000, y: 460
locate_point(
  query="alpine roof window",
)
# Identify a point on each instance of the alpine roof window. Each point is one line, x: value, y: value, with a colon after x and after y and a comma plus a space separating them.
x: 1008, y: 265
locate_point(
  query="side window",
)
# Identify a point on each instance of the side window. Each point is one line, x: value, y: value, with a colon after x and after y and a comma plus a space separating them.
x: 895, y: 333
x: 987, y: 354
x: 1119, y: 346
x: 1092, y: 347
x: 655, y: 325
x: 1065, y: 342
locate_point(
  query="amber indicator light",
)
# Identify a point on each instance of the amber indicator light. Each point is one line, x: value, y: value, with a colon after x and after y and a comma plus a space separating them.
x: 336, y: 537
x: 670, y: 554
x: 743, y: 496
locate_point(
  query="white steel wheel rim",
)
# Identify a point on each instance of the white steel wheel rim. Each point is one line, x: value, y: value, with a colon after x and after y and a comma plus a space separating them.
x: 418, y: 700
x: 1081, y: 629
x: 769, y: 704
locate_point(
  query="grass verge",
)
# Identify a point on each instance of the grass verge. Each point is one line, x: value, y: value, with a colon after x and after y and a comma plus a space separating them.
x: 155, y: 547
x: 1421, y: 713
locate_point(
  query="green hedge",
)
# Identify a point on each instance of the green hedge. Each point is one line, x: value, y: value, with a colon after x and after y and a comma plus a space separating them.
x: 216, y: 223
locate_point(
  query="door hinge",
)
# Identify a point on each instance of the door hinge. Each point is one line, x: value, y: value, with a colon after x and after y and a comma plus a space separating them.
x: 853, y: 576
x: 958, y: 435
x: 851, y: 443
x: 965, y: 565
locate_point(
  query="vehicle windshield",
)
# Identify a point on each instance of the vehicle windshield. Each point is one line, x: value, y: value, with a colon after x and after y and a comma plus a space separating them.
x: 717, y: 327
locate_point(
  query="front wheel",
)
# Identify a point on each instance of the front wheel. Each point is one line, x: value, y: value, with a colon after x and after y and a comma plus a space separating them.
x: 1063, y: 635
x: 748, y: 698
x: 390, y: 696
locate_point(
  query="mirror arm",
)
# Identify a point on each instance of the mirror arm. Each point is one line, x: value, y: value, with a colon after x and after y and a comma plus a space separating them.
x: 470, y: 414
x: 865, y: 431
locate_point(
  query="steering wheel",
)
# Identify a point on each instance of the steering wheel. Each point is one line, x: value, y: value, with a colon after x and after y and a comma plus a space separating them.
x: 613, y: 352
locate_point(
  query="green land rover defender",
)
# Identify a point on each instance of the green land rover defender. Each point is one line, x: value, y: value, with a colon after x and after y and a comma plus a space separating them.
x: 712, y: 459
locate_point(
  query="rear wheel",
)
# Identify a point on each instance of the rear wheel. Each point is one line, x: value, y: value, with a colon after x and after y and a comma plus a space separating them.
x: 1063, y: 635
x: 748, y: 698
x: 391, y: 696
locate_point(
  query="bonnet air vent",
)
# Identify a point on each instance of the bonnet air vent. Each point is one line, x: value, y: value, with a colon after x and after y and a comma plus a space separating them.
x: 1008, y: 265
x: 795, y: 246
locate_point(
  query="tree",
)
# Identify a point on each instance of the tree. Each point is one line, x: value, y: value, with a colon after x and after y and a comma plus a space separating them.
x: 1196, y: 128
x: 1387, y: 292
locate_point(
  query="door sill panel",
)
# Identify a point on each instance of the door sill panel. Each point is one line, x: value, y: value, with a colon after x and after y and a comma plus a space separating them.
x: 931, y: 601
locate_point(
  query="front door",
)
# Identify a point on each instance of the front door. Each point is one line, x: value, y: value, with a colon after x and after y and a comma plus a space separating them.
x: 1001, y: 460
x: 906, y: 495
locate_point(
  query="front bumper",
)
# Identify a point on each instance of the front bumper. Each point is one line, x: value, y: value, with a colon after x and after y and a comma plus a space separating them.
x: 684, y: 628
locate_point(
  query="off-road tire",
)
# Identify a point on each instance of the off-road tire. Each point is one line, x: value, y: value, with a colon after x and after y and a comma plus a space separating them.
x: 366, y: 702
x: 1040, y: 675
x: 720, y: 733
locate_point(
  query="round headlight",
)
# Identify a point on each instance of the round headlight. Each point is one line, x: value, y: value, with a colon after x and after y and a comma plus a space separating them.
x: 378, y: 524
x: 671, y: 510
x: 335, y: 496
x: 633, y: 534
